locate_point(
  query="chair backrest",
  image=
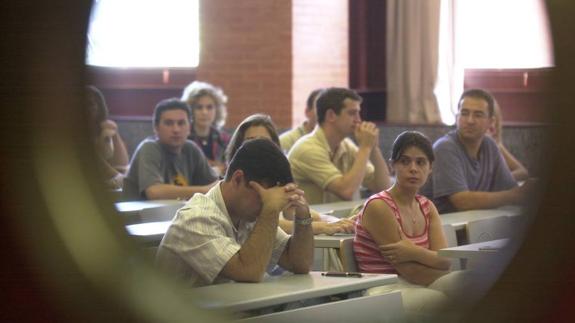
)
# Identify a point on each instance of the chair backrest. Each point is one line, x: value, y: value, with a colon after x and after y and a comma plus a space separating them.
x: 489, y: 229
x: 346, y: 254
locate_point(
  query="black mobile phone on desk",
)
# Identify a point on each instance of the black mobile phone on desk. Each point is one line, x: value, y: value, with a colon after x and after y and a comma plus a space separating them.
x: 342, y: 274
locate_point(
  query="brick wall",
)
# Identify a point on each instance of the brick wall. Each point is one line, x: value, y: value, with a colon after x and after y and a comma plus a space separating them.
x: 268, y: 55
x: 246, y: 49
x: 320, y: 49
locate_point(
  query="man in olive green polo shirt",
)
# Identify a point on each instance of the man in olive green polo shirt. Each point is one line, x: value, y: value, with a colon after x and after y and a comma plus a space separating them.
x: 326, y: 164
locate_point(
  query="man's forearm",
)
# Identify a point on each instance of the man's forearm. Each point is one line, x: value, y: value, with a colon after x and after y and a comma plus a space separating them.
x: 255, y: 253
x: 249, y: 264
x: 470, y: 200
x: 381, y: 171
x: 350, y: 182
x: 301, y: 248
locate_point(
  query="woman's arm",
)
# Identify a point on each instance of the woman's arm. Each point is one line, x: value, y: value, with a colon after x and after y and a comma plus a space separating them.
x: 517, y: 169
x: 319, y: 227
x: 405, y: 250
x: 436, y: 241
x: 119, y: 159
x: 379, y: 221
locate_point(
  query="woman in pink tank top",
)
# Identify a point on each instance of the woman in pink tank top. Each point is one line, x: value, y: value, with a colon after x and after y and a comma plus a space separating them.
x: 399, y: 231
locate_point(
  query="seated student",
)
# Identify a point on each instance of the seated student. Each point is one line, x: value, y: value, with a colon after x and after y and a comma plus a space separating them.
x: 208, y: 104
x: 231, y: 232
x: 517, y: 169
x: 399, y: 232
x: 469, y: 172
x: 326, y: 164
x: 168, y: 166
x: 110, y: 148
x: 288, y: 138
x: 261, y: 126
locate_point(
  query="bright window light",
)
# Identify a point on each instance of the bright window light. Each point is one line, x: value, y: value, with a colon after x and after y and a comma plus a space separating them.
x: 144, y: 33
x: 504, y: 34
x: 488, y: 34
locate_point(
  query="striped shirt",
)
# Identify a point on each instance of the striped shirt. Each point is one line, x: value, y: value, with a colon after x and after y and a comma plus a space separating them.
x: 366, y: 250
x: 202, y: 239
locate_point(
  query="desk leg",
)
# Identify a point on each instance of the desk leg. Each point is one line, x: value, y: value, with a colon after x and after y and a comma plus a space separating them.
x: 325, y: 256
x: 331, y: 261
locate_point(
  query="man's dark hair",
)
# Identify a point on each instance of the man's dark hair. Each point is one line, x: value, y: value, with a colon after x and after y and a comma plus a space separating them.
x: 262, y: 161
x: 170, y: 104
x: 408, y: 139
x: 311, y: 99
x: 332, y: 98
x: 479, y: 94
x: 239, y: 135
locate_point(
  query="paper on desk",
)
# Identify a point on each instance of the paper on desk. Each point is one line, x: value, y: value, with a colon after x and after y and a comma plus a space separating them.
x: 329, y: 218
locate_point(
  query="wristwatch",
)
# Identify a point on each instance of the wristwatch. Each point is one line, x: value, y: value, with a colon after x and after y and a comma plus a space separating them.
x: 306, y: 221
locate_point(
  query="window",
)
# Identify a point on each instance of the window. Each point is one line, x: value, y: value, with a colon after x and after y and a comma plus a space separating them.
x: 504, y: 34
x: 143, y: 33
x: 488, y: 34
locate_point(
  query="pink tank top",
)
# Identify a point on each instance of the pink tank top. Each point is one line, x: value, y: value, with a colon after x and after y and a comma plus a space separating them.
x: 366, y: 250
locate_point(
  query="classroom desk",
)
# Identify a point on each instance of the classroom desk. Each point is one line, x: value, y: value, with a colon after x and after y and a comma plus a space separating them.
x: 148, y: 211
x: 326, y: 253
x: 477, y: 254
x: 278, y: 290
x: 459, y: 219
x: 325, y: 241
x: 152, y: 233
x: 337, y: 209
x: 478, y: 250
x: 115, y: 194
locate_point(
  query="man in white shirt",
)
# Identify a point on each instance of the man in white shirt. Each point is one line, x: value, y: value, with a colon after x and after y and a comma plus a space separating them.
x: 232, y: 232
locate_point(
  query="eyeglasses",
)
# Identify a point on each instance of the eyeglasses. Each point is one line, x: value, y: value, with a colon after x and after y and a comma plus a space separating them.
x: 475, y: 114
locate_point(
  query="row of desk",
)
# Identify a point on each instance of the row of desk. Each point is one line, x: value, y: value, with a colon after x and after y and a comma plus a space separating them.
x: 312, y: 297
x: 333, y: 299
x: 279, y: 298
x: 149, y: 220
x: 163, y: 210
x: 284, y: 289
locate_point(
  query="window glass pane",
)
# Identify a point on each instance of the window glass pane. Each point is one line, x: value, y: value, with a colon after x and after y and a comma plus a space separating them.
x: 143, y: 33
x: 503, y: 34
